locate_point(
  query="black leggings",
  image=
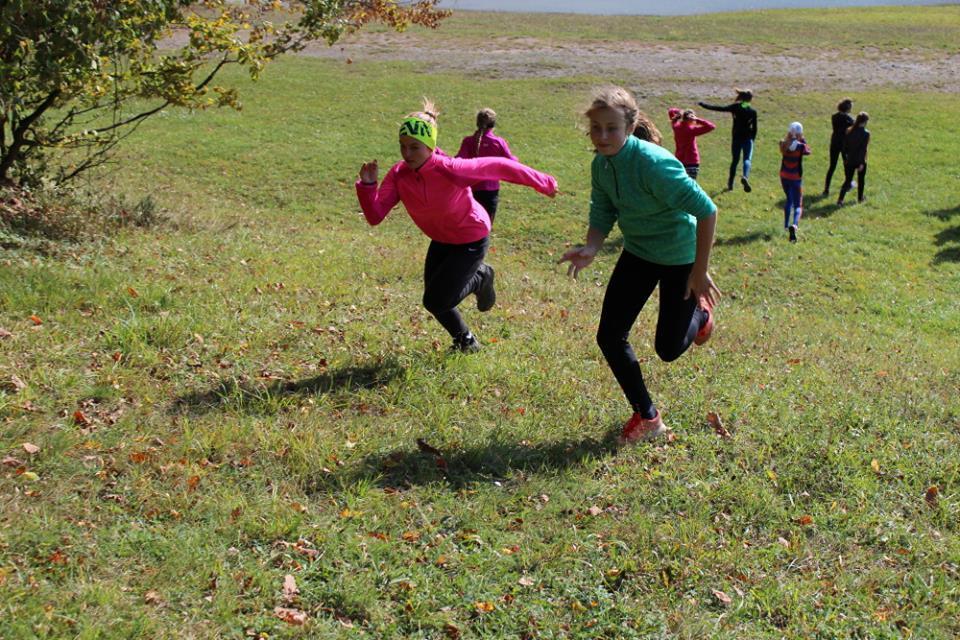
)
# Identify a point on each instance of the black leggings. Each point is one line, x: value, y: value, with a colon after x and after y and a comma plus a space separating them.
x: 848, y: 171
x: 836, y: 151
x: 631, y: 284
x: 450, y: 274
x: 488, y: 200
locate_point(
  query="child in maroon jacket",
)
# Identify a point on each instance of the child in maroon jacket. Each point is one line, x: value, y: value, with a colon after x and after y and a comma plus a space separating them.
x: 686, y: 127
x: 793, y: 147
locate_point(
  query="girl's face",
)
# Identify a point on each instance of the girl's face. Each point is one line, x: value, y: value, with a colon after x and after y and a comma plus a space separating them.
x: 608, y: 131
x: 414, y: 152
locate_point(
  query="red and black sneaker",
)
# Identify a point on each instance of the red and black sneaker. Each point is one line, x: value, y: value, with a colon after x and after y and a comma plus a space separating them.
x: 707, y: 329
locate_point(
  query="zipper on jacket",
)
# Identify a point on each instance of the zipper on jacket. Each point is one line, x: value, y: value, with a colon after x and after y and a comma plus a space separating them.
x: 616, y: 182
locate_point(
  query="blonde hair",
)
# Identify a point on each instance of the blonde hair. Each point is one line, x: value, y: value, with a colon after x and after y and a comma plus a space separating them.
x: 427, y: 112
x: 622, y: 100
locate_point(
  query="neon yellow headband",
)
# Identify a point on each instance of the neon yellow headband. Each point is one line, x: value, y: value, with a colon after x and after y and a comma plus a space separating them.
x: 425, y: 132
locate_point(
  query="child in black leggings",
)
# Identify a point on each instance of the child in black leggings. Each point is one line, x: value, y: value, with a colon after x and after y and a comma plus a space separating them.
x: 841, y: 121
x: 668, y: 225
x: 855, y: 156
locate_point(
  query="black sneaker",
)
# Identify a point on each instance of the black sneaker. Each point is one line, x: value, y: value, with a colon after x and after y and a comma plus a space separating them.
x: 793, y: 233
x: 465, y: 343
x: 486, y: 294
x: 746, y: 185
x: 730, y: 186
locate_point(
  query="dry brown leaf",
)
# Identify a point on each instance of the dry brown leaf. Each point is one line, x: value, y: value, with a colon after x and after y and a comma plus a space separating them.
x: 875, y: 465
x: 805, y: 521
x: 290, y: 589
x: 451, y: 630
x: 299, y: 508
x: 36, y: 320
x: 30, y: 448
x: 525, y: 581
x: 14, y: 384
x: 932, y: 495
x: 10, y: 461
x: 152, y: 597
x: 423, y: 446
x: 594, y: 511
x: 713, y: 419
x: 81, y: 419
x: 192, y: 483
x: 4, y: 334
x: 133, y: 292
x: 722, y: 598
x: 291, y: 616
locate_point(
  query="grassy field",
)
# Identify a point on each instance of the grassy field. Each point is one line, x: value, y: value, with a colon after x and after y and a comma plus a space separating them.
x: 235, y: 396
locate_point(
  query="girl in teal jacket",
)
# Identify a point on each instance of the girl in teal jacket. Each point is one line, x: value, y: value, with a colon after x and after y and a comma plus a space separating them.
x: 668, y: 226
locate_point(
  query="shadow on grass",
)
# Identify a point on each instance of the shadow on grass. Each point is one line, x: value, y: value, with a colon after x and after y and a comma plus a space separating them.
x: 746, y: 238
x: 258, y: 398
x: 950, y: 254
x: 945, y: 214
x: 422, y: 464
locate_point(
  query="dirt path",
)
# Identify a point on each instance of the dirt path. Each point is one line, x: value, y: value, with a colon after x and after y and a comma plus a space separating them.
x: 657, y: 68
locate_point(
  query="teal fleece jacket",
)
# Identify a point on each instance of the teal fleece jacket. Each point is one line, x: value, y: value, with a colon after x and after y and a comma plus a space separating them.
x: 647, y: 192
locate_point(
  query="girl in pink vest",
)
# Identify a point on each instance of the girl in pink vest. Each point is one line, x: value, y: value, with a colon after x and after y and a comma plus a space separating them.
x: 686, y: 127
x: 435, y: 190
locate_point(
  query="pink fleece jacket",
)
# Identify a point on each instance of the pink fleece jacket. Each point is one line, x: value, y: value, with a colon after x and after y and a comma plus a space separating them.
x: 685, y: 135
x: 437, y: 195
x: 491, y: 146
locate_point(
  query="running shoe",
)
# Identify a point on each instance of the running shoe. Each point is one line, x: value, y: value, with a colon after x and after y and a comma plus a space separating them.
x: 637, y: 429
x: 707, y: 329
x: 746, y: 185
x: 793, y: 233
x: 486, y: 294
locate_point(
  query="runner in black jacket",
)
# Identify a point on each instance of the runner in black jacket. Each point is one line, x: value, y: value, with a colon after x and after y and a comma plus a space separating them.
x: 744, y: 133
x: 841, y: 121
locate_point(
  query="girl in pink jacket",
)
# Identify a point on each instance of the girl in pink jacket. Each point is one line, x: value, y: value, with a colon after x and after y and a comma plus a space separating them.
x: 686, y: 127
x: 435, y: 189
x: 484, y: 144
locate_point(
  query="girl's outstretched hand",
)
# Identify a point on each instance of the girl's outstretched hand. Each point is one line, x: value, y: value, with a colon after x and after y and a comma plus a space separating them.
x: 700, y: 285
x: 369, y: 172
x: 579, y: 259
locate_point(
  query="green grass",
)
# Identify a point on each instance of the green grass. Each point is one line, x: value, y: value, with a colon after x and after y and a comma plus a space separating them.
x: 255, y: 378
x: 936, y: 29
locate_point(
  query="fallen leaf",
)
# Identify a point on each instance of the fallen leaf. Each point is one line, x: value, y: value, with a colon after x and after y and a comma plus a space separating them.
x: 36, y: 320
x: 484, y: 606
x: 14, y: 384
x: 722, y: 598
x: 133, y: 292
x: 192, y: 483
x: 805, y: 521
x: 300, y: 508
x: 81, y: 419
x: 594, y: 510
x: 784, y: 542
x: 30, y: 475
x: 526, y: 581
x: 290, y: 616
x: 152, y: 597
x: 875, y: 465
x: 932, y: 495
x: 410, y: 536
x: 423, y: 446
x: 451, y: 630
x: 30, y: 448
x: 290, y: 590
x: 10, y: 461
x: 713, y: 419
x: 4, y: 334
